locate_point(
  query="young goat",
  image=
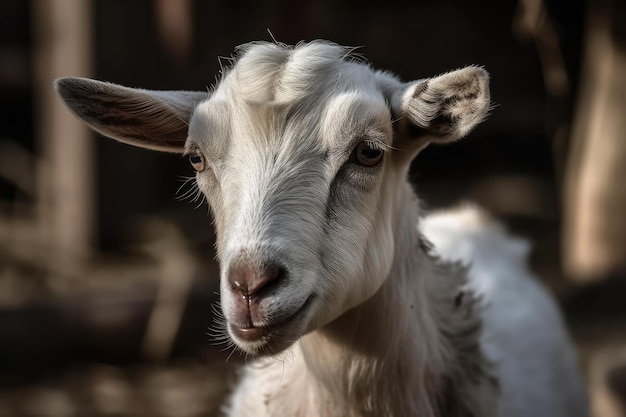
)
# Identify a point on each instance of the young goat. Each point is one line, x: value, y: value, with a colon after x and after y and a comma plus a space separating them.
x: 303, y: 153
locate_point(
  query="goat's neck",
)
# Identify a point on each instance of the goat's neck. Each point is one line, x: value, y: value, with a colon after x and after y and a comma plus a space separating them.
x: 396, y: 353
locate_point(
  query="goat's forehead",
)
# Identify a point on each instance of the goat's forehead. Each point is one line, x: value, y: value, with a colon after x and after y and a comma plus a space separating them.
x: 329, y: 125
x: 325, y: 123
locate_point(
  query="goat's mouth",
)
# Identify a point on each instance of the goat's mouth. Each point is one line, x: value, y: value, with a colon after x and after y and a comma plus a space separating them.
x: 273, y: 337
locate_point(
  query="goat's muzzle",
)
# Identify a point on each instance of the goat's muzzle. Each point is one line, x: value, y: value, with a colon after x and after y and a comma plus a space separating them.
x: 258, y: 317
x: 251, y: 283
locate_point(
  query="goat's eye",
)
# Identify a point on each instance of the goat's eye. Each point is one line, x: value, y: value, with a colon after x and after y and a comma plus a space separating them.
x: 197, y: 161
x: 366, y: 155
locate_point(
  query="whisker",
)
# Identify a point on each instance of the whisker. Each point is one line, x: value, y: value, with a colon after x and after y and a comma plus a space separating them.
x: 193, y: 194
x: 231, y: 353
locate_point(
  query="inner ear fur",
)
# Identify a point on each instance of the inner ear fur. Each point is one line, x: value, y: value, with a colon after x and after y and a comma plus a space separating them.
x: 150, y: 119
x: 444, y: 108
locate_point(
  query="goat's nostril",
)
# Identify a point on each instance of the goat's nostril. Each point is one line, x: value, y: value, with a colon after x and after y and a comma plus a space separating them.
x: 250, y: 279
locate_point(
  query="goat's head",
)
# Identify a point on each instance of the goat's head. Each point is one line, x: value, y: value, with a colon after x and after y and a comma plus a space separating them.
x: 299, y: 152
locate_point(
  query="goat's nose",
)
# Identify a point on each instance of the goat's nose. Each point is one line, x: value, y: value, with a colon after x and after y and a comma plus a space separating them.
x: 250, y: 279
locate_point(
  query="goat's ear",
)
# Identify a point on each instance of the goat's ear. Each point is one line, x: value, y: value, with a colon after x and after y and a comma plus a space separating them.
x: 156, y: 120
x: 444, y: 108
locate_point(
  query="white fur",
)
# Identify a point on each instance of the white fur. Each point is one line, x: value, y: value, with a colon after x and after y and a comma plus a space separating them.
x: 524, y: 334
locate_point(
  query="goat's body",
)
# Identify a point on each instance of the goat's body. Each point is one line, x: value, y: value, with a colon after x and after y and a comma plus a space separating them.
x: 523, y: 337
x: 303, y: 154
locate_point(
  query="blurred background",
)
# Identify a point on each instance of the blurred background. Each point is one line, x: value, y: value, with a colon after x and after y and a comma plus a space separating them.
x: 107, y: 280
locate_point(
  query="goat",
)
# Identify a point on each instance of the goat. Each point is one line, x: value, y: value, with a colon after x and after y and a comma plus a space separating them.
x: 303, y: 155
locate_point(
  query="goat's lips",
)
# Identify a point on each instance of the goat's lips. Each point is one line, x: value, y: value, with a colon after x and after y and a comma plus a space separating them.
x: 251, y: 333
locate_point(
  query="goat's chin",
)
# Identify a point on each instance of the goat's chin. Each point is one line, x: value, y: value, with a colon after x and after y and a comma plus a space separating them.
x: 275, y: 338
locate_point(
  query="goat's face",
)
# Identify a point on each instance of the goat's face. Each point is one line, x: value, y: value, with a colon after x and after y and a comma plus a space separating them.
x: 299, y: 155
x: 304, y: 228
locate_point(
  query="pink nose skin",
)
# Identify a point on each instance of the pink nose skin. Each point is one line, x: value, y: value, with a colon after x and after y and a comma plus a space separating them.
x: 251, y: 282
x: 251, y: 279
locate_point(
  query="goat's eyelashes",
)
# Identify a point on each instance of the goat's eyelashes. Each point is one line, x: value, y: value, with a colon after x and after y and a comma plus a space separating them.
x: 197, y: 161
x: 366, y: 154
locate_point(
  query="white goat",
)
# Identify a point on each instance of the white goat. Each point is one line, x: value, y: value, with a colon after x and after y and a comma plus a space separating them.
x: 303, y: 154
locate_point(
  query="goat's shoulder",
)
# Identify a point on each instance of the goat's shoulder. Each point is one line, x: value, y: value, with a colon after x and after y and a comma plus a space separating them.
x: 524, y: 334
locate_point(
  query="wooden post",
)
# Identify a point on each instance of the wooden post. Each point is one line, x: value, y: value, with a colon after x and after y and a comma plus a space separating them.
x: 62, y: 44
x: 594, y: 205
